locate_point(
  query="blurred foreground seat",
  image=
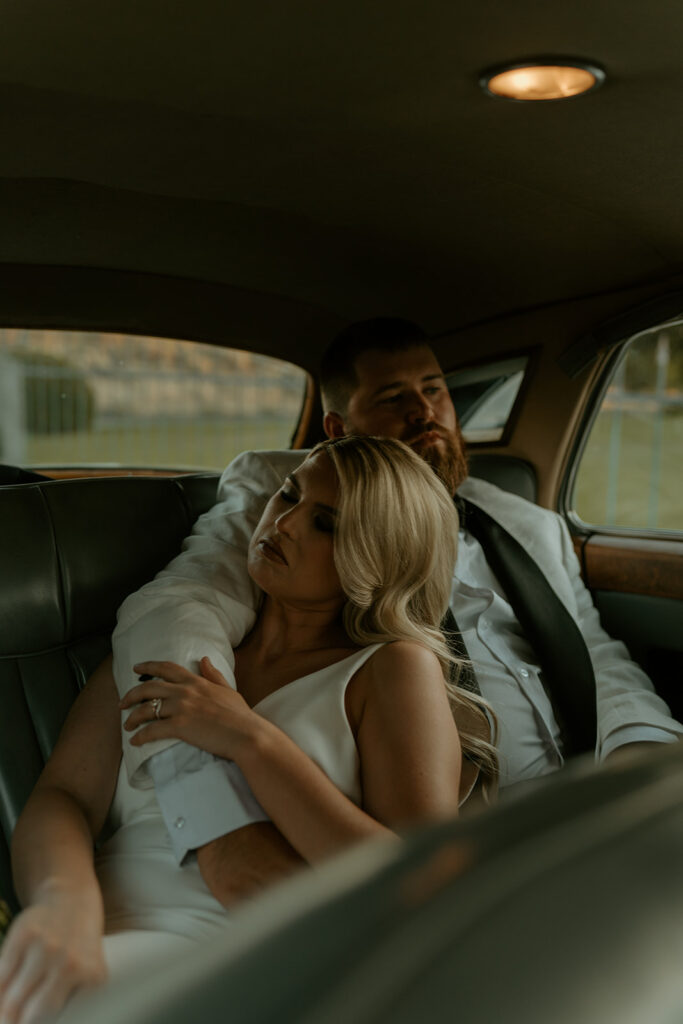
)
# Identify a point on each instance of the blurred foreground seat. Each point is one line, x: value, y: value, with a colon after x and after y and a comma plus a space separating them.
x: 565, y: 905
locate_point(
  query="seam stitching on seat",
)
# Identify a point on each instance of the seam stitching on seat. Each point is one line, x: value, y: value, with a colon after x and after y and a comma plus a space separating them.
x: 60, y: 565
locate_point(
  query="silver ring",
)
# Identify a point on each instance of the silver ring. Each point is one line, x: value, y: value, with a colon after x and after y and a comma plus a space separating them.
x: 156, y: 706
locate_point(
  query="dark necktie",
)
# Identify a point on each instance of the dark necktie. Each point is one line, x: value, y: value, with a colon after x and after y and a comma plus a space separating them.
x: 465, y: 676
x: 566, y: 670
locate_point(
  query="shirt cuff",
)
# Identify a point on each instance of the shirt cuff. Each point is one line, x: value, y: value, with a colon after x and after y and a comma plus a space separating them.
x: 636, y: 734
x: 201, y: 797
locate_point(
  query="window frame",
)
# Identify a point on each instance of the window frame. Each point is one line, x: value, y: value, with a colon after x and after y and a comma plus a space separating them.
x: 579, y: 528
x: 531, y: 355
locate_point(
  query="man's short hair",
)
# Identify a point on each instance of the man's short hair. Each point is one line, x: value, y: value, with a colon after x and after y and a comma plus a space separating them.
x: 338, y: 377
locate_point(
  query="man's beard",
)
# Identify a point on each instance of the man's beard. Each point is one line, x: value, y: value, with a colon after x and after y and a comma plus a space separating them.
x: 448, y: 459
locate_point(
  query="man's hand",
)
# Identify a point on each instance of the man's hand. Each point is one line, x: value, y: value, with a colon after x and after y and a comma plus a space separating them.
x: 247, y: 861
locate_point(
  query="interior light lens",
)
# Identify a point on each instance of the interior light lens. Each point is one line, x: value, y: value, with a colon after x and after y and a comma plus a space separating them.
x: 551, y: 81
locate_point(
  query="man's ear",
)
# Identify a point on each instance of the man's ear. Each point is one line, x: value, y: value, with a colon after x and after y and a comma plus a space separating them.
x: 333, y: 425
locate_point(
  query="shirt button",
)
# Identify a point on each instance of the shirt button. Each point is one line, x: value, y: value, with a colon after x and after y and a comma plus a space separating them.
x: 179, y: 822
x: 523, y: 672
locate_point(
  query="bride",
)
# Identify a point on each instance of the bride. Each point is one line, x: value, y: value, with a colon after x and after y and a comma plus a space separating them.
x: 343, y: 724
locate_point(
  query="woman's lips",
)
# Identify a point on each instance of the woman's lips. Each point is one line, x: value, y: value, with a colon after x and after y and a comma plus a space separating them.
x: 272, y: 551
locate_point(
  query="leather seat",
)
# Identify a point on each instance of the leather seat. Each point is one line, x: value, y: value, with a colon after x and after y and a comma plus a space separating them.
x: 71, y: 551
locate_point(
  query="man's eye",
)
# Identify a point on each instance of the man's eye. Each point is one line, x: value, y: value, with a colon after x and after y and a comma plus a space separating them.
x: 288, y: 496
x: 392, y: 399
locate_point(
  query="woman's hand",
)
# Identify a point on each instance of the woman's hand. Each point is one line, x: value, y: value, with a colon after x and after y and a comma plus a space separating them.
x: 202, y: 710
x: 51, y: 951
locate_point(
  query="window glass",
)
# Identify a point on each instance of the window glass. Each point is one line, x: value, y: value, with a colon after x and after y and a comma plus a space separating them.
x: 484, y: 396
x: 630, y: 471
x: 86, y: 399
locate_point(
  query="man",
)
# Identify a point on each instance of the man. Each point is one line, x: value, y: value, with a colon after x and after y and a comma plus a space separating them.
x: 381, y: 377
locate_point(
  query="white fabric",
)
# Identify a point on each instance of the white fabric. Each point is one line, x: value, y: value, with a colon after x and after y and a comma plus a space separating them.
x: 143, y: 887
x: 213, y: 790
x: 203, y: 604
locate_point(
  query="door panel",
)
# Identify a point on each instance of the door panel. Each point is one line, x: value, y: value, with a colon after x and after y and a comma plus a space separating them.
x: 637, y: 585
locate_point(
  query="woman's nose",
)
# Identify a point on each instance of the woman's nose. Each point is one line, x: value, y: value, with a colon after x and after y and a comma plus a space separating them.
x: 285, y: 521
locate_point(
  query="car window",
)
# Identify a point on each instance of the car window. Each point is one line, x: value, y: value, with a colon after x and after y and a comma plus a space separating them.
x: 630, y: 471
x: 85, y: 399
x: 484, y: 397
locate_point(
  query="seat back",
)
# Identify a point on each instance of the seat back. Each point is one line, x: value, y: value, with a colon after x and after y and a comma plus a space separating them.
x: 506, y: 471
x: 70, y: 552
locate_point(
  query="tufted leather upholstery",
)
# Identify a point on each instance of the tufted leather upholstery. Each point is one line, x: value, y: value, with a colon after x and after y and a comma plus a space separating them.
x: 70, y: 551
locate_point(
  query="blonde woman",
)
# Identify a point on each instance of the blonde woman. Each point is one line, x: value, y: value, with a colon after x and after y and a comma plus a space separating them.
x: 340, y: 723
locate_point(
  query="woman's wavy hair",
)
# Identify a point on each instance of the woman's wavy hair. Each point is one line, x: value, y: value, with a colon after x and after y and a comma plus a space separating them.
x: 394, y: 549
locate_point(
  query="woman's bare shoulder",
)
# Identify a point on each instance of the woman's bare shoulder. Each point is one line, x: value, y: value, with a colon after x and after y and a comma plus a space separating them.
x: 402, y: 672
x: 405, y: 656
x: 401, y: 666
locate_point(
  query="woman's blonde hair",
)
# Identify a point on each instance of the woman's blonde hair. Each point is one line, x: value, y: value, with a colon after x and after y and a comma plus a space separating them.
x: 394, y: 549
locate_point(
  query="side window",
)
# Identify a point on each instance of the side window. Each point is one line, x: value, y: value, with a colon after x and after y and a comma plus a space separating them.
x: 72, y: 398
x: 484, y: 397
x: 630, y: 471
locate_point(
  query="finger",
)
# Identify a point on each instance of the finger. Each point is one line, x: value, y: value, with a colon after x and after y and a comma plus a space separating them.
x: 147, y: 691
x: 210, y: 672
x: 163, y: 729
x: 146, y: 712
x: 164, y: 670
x: 22, y: 986
x: 49, y: 997
x: 12, y: 952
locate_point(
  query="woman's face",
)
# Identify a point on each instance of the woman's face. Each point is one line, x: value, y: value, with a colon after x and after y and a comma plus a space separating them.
x: 291, y: 554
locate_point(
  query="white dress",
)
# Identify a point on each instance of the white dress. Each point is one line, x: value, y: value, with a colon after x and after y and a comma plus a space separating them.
x: 151, y: 903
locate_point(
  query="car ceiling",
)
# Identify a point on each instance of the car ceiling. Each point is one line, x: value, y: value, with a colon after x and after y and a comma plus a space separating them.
x: 332, y: 161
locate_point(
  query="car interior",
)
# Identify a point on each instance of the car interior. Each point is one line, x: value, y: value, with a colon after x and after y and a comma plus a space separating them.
x: 257, y: 178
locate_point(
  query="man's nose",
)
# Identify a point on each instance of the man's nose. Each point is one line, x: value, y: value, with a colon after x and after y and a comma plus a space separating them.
x: 420, y: 409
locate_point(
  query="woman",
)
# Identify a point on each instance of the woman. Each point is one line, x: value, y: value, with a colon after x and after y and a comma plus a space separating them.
x: 340, y: 723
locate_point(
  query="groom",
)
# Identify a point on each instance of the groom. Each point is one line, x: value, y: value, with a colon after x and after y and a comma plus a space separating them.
x: 381, y: 377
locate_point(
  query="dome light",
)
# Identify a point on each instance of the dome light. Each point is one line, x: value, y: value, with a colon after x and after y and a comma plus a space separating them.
x: 542, y: 80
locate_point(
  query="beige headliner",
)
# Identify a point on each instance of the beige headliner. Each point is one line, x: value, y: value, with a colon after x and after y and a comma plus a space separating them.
x: 323, y: 162
x: 341, y: 154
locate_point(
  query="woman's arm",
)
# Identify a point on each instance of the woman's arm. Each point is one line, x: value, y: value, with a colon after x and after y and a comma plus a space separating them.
x: 410, y: 754
x: 54, y: 947
x: 408, y: 745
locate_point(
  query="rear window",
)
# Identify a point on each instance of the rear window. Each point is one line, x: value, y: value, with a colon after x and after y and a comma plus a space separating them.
x: 111, y: 400
x: 484, y: 397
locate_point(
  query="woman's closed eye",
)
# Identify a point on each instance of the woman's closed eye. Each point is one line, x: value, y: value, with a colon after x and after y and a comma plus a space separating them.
x: 324, y: 524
